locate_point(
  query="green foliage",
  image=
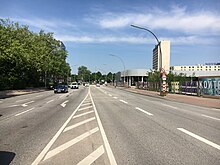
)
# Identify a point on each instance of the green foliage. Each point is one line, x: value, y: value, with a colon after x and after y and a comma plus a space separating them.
x: 27, y: 59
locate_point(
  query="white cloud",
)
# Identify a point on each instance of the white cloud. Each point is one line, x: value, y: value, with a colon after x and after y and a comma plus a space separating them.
x: 176, y: 19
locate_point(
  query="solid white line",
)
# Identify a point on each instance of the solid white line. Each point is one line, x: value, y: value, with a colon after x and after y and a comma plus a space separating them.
x: 115, y: 97
x: 82, y: 114
x: 79, y: 124
x: 24, y: 112
x: 21, y: 100
x: 170, y: 106
x: 200, y: 138
x: 211, y: 117
x: 50, y: 101
x: 106, y: 143
x: 150, y: 114
x: 86, y: 104
x: 69, y: 143
x: 124, y: 101
x: 93, y: 156
x: 81, y: 109
x: 46, y: 149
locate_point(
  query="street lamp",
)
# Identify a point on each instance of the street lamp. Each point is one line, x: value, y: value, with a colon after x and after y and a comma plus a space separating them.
x: 158, y: 42
x: 121, y: 62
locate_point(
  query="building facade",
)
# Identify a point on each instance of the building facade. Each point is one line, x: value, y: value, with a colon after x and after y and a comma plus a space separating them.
x: 165, y: 50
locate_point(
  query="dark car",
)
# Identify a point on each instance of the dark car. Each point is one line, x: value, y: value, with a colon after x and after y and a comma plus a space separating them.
x: 61, y: 89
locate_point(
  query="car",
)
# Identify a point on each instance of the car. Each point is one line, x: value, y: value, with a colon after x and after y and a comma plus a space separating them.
x: 86, y: 84
x: 61, y: 89
x: 74, y: 85
x: 97, y: 85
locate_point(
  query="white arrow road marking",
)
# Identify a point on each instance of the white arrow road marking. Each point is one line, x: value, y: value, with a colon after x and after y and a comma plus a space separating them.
x: 211, y: 117
x: 70, y: 143
x: 24, y: 112
x: 93, y: 156
x: 150, y: 114
x: 25, y: 104
x: 200, y: 138
x: 64, y: 103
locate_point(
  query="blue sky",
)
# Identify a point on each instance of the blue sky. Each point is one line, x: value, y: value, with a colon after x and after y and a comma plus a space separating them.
x: 93, y: 29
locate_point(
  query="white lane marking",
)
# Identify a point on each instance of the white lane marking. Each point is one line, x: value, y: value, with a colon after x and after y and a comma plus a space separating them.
x: 70, y: 143
x: 25, y: 104
x: 124, y: 101
x: 39, y: 96
x: 24, y: 112
x: 93, y: 156
x: 11, y: 106
x: 110, y: 95
x: 78, y: 124
x: 20, y: 100
x: 64, y: 103
x: 214, y: 109
x: 105, y: 140
x: 170, y: 106
x: 83, y: 114
x: 200, y: 138
x: 86, y: 104
x: 46, y: 149
x: 115, y: 97
x: 150, y: 114
x: 81, y: 109
x: 211, y: 117
x: 50, y: 101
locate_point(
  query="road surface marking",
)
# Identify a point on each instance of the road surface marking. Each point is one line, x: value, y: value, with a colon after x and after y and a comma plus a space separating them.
x: 82, y: 114
x: 63, y: 95
x: 11, y: 106
x: 115, y: 97
x: 110, y: 95
x: 24, y: 112
x: 20, y: 100
x: 39, y: 96
x: 105, y: 140
x: 93, y: 156
x: 215, y: 109
x: 124, y: 101
x: 150, y: 114
x: 50, y: 101
x: 86, y: 104
x: 78, y: 124
x: 211, y: 117
x: 200, y: 138
x: 64, y: 103
x: 46, y: 149
x: 170, y: 106
x: 25, y: 104
x: 81, y: 109
x: 70, y: 143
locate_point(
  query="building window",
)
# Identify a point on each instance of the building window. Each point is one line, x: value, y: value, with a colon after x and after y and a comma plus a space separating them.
x: 210, y: 66
x: 189, y: 69
x: 215, y: 66
x: 214, y: 69
x: 189, y: 66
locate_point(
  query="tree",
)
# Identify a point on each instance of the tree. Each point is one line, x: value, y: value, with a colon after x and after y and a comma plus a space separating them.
x: 84, y: 73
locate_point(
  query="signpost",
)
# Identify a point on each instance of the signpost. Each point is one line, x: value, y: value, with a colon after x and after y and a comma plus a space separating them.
x: 164, y: 85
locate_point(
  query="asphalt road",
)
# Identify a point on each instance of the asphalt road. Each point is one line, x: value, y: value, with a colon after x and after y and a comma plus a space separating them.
x: 101, y: 125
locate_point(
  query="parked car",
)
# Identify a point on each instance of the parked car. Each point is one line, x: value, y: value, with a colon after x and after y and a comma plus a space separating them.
x: 61, y: 89
x: 97, y: 85
x: 86, y: 84
x: 74, y: 85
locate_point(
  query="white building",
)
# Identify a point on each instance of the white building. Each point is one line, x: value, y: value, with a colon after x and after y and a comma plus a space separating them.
x: 206, y: 67
x: 165, y: 50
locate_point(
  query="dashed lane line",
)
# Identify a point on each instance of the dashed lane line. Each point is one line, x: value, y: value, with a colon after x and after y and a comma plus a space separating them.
x: 70, y: 143
x: 115, y: 97
x: 50, y: 101
x: 210, y: 117
x: 81, y: 109
x: 48, y: 146
x: 93, y: 156
x: 124, y: 101
x: 83, y: 114
x: 24, y: 112
x: 110, y: 95
x: 26, y: 104
x: 200, y: 138
x: 21, y: 100
x: 79, y: 124
x: 150, y: 114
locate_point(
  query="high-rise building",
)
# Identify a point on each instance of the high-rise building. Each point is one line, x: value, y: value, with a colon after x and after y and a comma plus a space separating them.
x: 165, y: 50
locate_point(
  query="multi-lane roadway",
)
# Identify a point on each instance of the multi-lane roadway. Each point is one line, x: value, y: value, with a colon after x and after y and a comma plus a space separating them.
x: 102, y: 125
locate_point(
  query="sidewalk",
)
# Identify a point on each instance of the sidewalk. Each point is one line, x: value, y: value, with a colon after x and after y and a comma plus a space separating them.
x: 194, y: 100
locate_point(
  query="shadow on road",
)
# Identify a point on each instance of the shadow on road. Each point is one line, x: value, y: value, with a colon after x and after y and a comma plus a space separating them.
x: 6, y: 157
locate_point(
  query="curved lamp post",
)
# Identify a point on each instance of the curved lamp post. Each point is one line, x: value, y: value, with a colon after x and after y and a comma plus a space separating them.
x: 158, y: 42
x: 121, y: 62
